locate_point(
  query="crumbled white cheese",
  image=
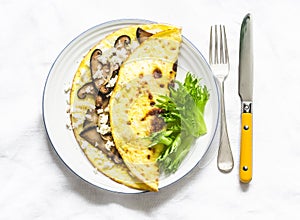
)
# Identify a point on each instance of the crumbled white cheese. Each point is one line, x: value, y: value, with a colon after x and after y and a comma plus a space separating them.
x: 116, y: 61
x: 99, y: 111
x: 77, y: 124
x: 114, y: 55
x: 76, y: 115
x: 134, y: 45
x: 103, y: 58
x: 122, y: 54
x: 88, y: 89
x: 112, y: 82
x: 82, y: 71
x: 98, y: 74
x: 103, y: 119
x: 109, y: 144
x: 104, y: 129
x: 79, y: 119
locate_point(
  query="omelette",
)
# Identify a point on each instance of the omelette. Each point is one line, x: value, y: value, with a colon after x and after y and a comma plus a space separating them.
x: 147, y: 73
x: 101, y: 78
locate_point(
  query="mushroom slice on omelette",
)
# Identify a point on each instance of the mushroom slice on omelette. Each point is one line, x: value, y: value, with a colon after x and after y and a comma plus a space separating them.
x: 92, y: 86
x: 147, y: 73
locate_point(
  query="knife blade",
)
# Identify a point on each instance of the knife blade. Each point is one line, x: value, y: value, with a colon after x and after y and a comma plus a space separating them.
x: 246, y: 95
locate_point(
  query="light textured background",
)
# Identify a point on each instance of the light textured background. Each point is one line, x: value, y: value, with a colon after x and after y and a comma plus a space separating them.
x: 35, y: 184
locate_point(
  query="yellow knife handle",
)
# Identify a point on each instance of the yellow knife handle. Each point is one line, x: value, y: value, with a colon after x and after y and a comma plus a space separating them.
x: 246, y: 148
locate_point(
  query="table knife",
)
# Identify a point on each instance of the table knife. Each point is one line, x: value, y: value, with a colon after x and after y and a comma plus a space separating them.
x: 246, y: 95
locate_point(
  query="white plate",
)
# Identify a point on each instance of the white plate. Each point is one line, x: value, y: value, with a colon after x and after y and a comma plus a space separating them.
x: 55, y: 104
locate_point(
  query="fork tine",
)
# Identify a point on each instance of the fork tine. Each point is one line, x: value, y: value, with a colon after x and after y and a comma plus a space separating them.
x: 226, y: 48
x: 221, y: 46
x: 216, y: 45
x: 210, y: 46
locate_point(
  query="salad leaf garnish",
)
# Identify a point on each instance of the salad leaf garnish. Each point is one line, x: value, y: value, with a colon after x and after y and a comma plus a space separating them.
x: 183, y: 113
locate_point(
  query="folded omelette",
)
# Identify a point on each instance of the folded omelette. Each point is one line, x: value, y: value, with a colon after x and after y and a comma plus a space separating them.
x: 113, y: 99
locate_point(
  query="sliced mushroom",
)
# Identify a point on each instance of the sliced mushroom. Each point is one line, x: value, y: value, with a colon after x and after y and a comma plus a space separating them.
x: 104, y: 90
x: 105, y: 103
x: 86, y: 89
x: 101, y: 101
x: 175, y: 65
x: 91, y: 119
x: 122, y: 42
x: 142, y: 35
x: 91, y: 135
x: 116, y: 156
x: 106, y: 72
x: 94, y: 138
x: 99, y: 82
x: 95, y: 64
x: 107, y: 137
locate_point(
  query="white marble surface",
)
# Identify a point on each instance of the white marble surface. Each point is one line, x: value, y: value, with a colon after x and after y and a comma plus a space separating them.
x: 35, y: 184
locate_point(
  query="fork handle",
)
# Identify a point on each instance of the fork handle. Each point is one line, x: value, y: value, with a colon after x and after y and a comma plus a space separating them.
x: 246, y: 148
x: 225, y: 158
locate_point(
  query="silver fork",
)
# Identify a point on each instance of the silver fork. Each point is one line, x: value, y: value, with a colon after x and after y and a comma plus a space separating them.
x: 219, y: 62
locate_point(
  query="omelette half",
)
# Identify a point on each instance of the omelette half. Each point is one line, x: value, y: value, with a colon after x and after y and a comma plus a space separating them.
x: 95, y: 113
x: 147, y: 73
